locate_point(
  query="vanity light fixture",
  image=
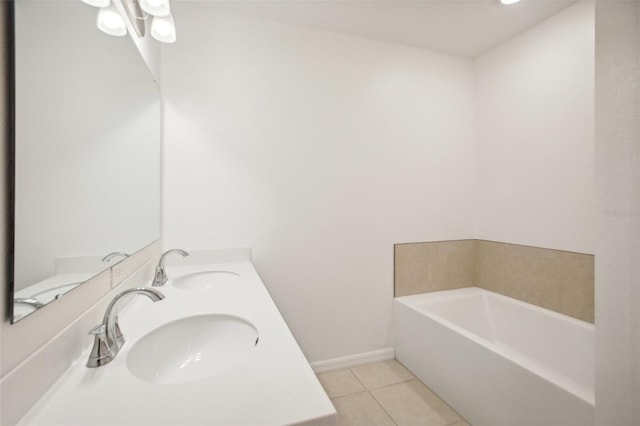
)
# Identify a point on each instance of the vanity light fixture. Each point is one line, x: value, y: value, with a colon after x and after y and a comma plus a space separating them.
x: 156, y: 7
x: 507, y: 2
x: 110, y: 21
x: 163, y: 29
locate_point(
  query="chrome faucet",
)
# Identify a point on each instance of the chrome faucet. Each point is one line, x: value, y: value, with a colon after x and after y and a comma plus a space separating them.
x: 31, y: 301
x: 161, y: 276
x: 110, y: 256
x: 108, y: 338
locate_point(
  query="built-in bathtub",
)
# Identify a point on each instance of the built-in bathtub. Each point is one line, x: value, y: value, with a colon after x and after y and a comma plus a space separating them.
x: 496, y: 360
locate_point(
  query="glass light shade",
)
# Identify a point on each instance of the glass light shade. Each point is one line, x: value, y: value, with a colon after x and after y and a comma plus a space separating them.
x: 97, y: 3
x: 156, y: 7
x: 163, y: 29
x: 110, y: 21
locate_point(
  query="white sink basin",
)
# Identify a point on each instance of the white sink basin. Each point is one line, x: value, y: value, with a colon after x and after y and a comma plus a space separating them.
x: 192, y: 348
x: 207, y: 280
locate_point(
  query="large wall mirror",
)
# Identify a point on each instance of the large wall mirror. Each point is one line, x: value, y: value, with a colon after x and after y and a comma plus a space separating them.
x: 87, y: 151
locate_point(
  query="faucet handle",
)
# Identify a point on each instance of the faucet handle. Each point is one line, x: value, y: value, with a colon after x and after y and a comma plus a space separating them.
x: 101, y: 353
x: 98, y: 330
x: 160, y: 277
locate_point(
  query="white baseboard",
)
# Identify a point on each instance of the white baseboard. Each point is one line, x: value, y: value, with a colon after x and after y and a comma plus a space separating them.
x: 352, y: 360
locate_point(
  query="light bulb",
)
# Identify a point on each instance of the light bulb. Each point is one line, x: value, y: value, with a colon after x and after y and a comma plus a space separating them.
x: 156, y: 7
x: 110, y: 21
x: 98, y: 3
x: 163, y: 29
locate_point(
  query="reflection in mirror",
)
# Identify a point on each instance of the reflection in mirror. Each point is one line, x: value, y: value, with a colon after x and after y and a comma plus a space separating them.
x: 87, y: 151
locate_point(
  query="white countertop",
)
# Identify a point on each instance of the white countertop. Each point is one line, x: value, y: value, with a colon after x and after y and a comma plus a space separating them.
x: 274, y: 385
x: 46, y: 290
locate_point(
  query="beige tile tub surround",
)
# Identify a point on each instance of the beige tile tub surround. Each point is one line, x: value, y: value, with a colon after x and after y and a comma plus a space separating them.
x: 433, y: 266
x: 554, y: 279
x: 558, y: 280
x: 385, y: 393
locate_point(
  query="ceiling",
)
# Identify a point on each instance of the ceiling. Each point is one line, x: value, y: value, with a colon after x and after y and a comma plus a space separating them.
x: 466, y: 28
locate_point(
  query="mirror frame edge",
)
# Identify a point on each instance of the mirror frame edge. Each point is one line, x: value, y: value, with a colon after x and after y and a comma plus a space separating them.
x: 10, y: 135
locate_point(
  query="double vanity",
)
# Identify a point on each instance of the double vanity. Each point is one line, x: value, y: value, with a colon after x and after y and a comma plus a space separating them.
x: 213, y: 349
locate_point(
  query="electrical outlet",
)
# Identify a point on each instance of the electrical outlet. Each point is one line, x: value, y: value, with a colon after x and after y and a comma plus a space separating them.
x: 116, y: 275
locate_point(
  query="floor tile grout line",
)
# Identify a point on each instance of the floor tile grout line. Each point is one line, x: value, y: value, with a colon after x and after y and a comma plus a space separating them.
x: 439, y: 397
x: 462, y: 420
x: 374, y: 398
x: 383, y: 386
x: 358, y: 378
x: 444, y: 402
x: 393, y: 384
x: 459, y: 421
x: 428, y: 388
x: 364, y: 389
x: 407, y: 380
x: 383, y: 409
x: 351, y: 394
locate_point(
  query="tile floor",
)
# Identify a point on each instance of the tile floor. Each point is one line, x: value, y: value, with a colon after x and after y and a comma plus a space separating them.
x: 385, y: 393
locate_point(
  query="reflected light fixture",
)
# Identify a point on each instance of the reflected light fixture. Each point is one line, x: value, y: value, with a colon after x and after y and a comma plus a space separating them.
x: 110, y: 21
x: 156, y: 7
x: 163, y: 29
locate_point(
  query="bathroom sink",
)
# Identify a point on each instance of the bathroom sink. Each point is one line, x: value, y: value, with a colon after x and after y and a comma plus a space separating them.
x: 192, y: 348
x: 207, y: 280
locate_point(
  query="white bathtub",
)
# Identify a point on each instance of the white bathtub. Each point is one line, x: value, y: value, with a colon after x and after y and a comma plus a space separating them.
x: 496, y: 360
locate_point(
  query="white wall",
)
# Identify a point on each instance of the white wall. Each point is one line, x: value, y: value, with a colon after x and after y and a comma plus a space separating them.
x: 534, y: 129
x: 319, y: 151
x: 618, y: 208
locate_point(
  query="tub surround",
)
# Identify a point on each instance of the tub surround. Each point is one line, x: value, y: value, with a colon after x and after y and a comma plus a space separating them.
x: 558, y: 280
x: 496, y: 360
x: 258, y: 390
x: 433, y: 266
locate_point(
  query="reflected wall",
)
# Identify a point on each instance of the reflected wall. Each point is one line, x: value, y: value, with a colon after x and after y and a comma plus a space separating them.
x: 87, y: 149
